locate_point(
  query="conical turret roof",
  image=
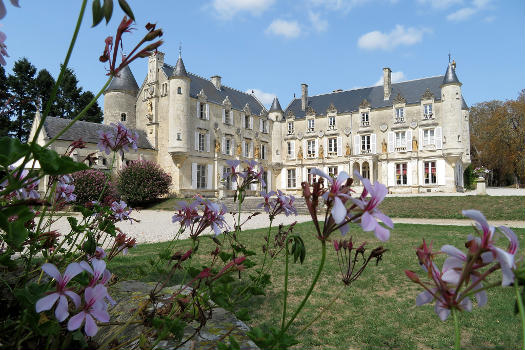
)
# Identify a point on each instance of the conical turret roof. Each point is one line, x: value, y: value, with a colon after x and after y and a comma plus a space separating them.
x: 180, y: 70
x: 124, y: 81
x: 450, y: 75
x: 276, y: 106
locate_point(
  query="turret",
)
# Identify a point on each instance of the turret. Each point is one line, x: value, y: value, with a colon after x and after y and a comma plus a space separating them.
x: 120, y: 99
x: 451, y: 111
x: 180, y: 127
x: 276, y: 112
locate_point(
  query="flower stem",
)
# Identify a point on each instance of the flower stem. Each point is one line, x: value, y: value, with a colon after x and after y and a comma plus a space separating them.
x: 285, y: 294
x: 521, y: 310
x: 314, y: 282
x: 266, y: 252
x: 457, y: 334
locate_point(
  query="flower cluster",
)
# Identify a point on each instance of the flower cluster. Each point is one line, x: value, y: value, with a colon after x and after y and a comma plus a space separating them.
x: 277, y: 205
x: 349, y: 266
x: 120, y: 210
x: 95, y: 295
x: 121, y: 140
x: 338, y: 215
x: 463, y: 274
x: 481, y: 171
x: 65, y: 188
x: 3, y: 37
x: 252, y: 173
x: 212, y: 216
x: 29, y: 187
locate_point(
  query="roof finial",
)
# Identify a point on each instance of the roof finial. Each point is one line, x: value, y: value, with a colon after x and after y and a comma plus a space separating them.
x: 180, y: 49
x: 449, y: 57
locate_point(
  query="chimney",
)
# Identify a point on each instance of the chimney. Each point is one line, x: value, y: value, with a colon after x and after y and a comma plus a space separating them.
x: 304, y: 96
x: 216, y: 80
x: 387, y: 82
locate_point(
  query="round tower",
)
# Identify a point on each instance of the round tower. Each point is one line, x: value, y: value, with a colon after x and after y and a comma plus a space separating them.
x: 180, y: 128
x: 451, y: 110
x: 276, y: 115
x: 120, y: 99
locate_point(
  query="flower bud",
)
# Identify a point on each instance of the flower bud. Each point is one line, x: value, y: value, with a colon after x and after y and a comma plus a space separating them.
x: 153, y: 34
x: 336, y: 246
x: 412, y: 275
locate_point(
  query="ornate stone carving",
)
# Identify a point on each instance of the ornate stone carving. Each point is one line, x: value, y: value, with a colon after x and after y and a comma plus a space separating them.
x: 300, y: 135
x: 428, y: 95
x: 202, y: 96
x: 348, y: 151
x: 149, y: 115
x: 246, y: 109
x: 239, y: 150
x: 217, y: 146
x: 256, y: 152
x: 364, y: 104
x: 310, y: 110
x: 413, y: 124
x: 226, y: 103
x: 320, y: 133
x: 383, y: 127
x: 383, y: 146
x: 321, y: 152
x: 347, y: 131
x: 290, y: 114
x: 331, y: 108
x: 300, y: 153
x: 399, y: 99
x: 414, y: 143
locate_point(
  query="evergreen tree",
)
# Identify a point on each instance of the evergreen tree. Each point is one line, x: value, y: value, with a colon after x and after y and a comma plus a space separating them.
x: 5, y: 123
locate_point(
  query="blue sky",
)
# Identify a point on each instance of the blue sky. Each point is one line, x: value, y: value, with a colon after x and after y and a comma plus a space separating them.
x: 272, y: 46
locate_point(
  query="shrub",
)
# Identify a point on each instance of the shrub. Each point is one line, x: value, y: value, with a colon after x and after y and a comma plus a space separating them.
x: 90, y: 184
x: 142, y: 182
x: 469, y: 178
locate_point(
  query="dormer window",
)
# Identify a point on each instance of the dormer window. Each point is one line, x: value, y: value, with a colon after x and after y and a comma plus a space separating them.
x: 311, y: 125
x: 427, y: 111
x: 290, y: 128
x: 400, y: 115
x: 331, y: 123
x: 365, y: 121
x: 122, y: 117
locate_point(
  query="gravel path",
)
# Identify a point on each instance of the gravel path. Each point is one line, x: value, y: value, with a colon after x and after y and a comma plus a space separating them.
x: 156, y: 225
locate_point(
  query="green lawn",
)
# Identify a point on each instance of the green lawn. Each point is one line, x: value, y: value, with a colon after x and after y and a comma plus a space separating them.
x: 378, y: 310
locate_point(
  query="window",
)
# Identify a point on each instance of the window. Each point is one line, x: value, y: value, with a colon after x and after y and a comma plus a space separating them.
x: 311, y: 125
x: 228, y: 146
x: 164, y: 89
x: 333, y: 171
x: 401, y: 141
x: 290, y: 128
x: 331, y: 123
x: 264, y: 126
x: 226, y: 175
x: 179, y: 90
x: 400, y: 115
x: 201, y: 176
x: 310, y: 153
x: 202, y: 111
x: 179, y: 136
x: 122, y: 117
x: 248, y: 149
x: 227, y: 119
x: 247, y: 122
x: 202, y: 142
x: 290, y: 145
x: 104, y: 161
x: 430, y: 173
x: 401, y: 174
x: 265, y: 180
x: 291, y: 178
x: 427, y: 111
x: 364, y: 119
x: 428, y: 137
x: 365, y: 144
x: 311, y: 177
x: 332, y: 145
x: 263, y: 151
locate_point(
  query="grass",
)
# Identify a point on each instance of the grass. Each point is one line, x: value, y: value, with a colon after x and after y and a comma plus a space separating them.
x: 438, y: 207
x: 378, y: 310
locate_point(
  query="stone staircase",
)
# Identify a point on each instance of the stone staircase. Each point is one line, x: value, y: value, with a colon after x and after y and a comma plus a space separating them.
x: 250, y: 204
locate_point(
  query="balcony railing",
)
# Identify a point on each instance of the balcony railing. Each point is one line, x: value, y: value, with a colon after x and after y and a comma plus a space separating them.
x: 399, y: 120
x: 365, y: 123
x: 311, y: 155
x: 366, y: 150
x: 400, y: 149
x: 331, y: 127
x: 428, y: 116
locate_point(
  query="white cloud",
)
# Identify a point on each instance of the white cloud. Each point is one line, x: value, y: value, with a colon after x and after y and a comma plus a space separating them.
x: 396, y: 78
x: 439, y: 4
x: 287, y: 29
x: 466, y: 12
x: 399, y: 36
x: 227, y: 9
x: 319, y: 24
x: 342, y: 5
x: 266, y: 98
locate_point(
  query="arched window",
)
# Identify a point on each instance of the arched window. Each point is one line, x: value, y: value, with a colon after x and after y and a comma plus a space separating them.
x: 179, y: 90
x: 122, y: 117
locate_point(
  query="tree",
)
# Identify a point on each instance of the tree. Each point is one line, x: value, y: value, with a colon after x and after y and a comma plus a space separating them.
x: 497, y: 132
x: 5, y: 123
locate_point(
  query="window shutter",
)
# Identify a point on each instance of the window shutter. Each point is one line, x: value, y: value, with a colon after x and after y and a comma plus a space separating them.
x: 325, y: 146
x: 198, y: 109
x: 250, y: 153
x: 440, y: 169
x: 391, y: 140
x: 223, y: 145
x: 373, y: 143
x: 196, y: 140
x: 232, y: 148
x: 268, y: 181
x: 223, y: 115
x: 305, y: 175
x: 357, y: 146
x: 207, y: 142
x: 305, y: 149
x: 339, y: 146
x: 207, y: 111
x: 420, y: 141
x: 439, y: 137
x: 231, y: 118
x: 293, y: 149
x: 209, y: 177
x: 409, y: 173
x: 221, y: 173
x: 243, y: 148
x: 316, y: 148
x: 243, y: 121
x: 409, y: 140
x: 283, y: 178
x: 421, y: 168
x: 251, y: 122
x: 391, y: 167
x: 194, y: 175
x: 261, y: 125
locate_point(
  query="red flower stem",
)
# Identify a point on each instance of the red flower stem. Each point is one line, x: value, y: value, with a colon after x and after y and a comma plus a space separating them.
x: 479, y: 280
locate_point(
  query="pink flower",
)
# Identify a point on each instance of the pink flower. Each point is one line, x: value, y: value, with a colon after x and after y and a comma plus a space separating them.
x: 335, y: 195
x: 94, y: 308
x: 99, y: 266
x: 213, y: 216
x: 3, y: 10
x: 65, y: 189
x: 280, y: 204
x: 47, y: 302
x: 3, y: 47
x: 186, y: 213
x: 119, y: 141
x: 370, y: 212
x: 120, y: 210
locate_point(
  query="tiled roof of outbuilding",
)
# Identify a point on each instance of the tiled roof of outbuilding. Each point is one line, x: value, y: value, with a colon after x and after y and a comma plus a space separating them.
x: 237, y: 98
x: 349, y: 100
x: 87, y: 131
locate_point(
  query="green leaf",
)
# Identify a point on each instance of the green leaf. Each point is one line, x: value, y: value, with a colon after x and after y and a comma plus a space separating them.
x: 233, y: 344
x: 98, y: 13
x: 108, y: 10
x: 73, y: 222
x: 248, y: 263
x: 12, y: 221
x: 225, y: 256
x: 243, y: 314
x: 125, y: 7
x: 11, y: 150
x: 54, y: 164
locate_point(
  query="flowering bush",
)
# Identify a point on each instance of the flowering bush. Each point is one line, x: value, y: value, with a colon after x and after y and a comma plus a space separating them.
x: 142, y: 182
x: 94, y: 185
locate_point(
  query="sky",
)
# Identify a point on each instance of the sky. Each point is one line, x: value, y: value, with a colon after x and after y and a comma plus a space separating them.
x: 272, y: 46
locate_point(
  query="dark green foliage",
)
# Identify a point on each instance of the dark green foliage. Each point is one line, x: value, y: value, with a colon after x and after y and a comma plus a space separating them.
x: 105, y: 10
x: 142, y: 182
x: 469, y: 178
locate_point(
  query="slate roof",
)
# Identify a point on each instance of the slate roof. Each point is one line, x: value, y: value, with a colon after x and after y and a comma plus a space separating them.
x: 180, y: 70
x: 87, y: 131
x: 124, y: 81
x: 276, y: 106
x: 450, y: 75
x: 237, y: 98
x: 348, y: 101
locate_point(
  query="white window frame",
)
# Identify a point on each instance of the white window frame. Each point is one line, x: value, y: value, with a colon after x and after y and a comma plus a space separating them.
x: 399, y: 114
x: 227, y: 119
x: 228, y: 146
x: 365, y: 119
x: 291, y: 178
x: 309, y: 176
x: 263, y: 151
x: 202, y: 142
x: 333, y: 171
x: 428, y: 111
x: 429, y: 137
x: 401, y: 180
x: 227, y: 180
x: 332, y: 146
x: 311, y: 125
x: 201, y: 176
x: 400, y: 138
x: 202, y: 111
x: 331, y: 122
x: 427, y: 172
x: 310, y: 148
x: 290, y: 128
x: 366, y: 143
x: 290, y: 149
